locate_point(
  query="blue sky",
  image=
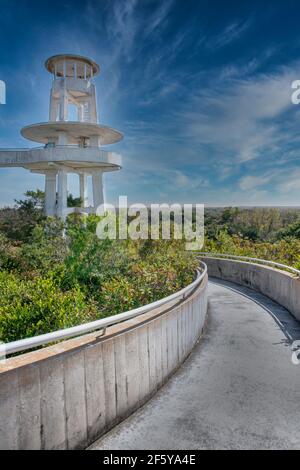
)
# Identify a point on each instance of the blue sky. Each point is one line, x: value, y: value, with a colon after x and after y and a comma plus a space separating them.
x: 201, y: 90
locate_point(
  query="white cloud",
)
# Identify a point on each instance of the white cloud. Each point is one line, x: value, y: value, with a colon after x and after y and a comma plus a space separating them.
x: 290, y: 182
x: 282, y: 183
x: 252, y: 182
x: 238, y: 118
x: 192, y: 182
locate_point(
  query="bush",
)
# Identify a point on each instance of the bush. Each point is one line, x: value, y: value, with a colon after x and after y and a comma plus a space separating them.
x: 64, y: 276
x: 18, y: 223
x: 45, y: 250
x: 30, y: 308
x: 9, y: 254
x: 286, y: 251
x: 151, y: 276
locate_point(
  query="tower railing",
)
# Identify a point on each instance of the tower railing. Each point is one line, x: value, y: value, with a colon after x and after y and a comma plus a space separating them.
x: 47, y: 146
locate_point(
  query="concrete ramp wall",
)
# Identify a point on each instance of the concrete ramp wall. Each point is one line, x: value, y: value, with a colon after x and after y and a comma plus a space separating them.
x: 67, y: 395
x: 279, y: 285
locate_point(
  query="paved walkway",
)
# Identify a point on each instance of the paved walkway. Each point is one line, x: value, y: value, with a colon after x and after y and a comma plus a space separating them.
x: 238, y: 389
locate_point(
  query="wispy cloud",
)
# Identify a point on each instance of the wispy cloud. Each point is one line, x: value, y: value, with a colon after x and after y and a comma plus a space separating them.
x: 252, y: 182
x: 158, y: 17
x: 229, y: 34
x: 282, y: 182
x: 123, y: 25
x: 240, y: 117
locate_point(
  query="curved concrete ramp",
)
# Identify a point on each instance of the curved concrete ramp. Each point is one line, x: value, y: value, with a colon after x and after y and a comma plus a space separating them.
x: 237, y: 390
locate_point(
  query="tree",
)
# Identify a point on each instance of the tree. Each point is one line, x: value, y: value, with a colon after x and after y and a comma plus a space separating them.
x: 34, y: 200
x: 291, y: 231
x: 73, y: 201
x: 17, y: 223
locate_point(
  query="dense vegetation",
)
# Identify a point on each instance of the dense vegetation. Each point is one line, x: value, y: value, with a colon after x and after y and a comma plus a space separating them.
x: 268, y: 233
x: 54, y: 276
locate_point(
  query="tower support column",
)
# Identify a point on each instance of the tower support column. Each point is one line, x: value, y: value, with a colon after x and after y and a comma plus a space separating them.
x: 62, y: 193
x: 83, y: 190
x: 98, y: 191
x: 63, y: 105
x: 53, y: 107
x: 50, y: 193
x: 81, y: 113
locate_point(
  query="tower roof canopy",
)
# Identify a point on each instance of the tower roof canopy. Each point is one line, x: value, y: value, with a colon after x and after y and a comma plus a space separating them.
x: 70, y: 60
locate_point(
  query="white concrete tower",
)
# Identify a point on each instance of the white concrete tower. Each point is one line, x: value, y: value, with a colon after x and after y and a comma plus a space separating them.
x: 72, y: 138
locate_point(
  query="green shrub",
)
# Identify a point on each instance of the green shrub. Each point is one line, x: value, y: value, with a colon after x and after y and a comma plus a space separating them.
x: 33, y: 307
x: 285, y: 251
x: 9, y: 254
x: 152, y: 275
x: 64, y: 276
x: 45, y: 250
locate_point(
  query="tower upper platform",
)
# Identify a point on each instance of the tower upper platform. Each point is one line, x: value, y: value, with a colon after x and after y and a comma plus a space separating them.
x: 73, y: 114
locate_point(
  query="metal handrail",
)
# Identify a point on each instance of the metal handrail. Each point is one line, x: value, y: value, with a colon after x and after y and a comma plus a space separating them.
x: 40, y: 340
x: 256, y: 260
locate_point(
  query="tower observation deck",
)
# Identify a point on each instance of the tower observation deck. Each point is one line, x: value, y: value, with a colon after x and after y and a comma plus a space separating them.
x: 72, y: 140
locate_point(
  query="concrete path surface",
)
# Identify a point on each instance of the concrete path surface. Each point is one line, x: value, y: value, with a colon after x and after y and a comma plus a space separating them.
x: 237, y: 390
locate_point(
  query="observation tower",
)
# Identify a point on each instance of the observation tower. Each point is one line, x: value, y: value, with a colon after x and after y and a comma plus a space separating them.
x: 72, y: 140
